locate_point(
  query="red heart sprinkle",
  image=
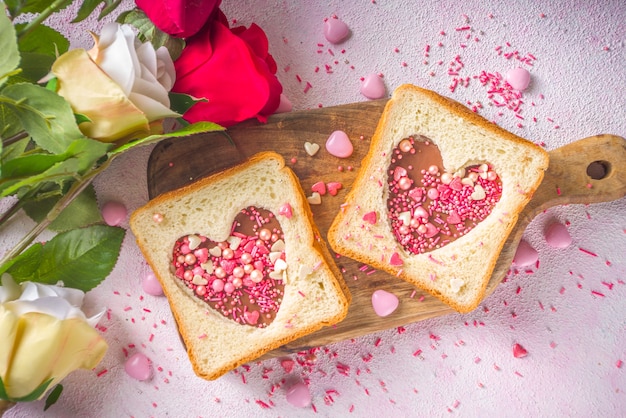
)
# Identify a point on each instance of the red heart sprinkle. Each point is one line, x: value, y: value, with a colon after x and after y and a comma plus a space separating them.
x: 519, y: 351
x: 395, y: 260
x: 319, y: 187
x: 333, y: 187
x: 370, y: 217
x: 251, y: 317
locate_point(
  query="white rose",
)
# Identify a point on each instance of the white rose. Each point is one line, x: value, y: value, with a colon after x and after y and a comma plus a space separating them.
x: 121, y: 85
x: 44, y: 335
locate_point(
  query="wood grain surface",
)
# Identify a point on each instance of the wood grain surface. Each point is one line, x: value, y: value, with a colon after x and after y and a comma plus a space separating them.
x: 177, y: 162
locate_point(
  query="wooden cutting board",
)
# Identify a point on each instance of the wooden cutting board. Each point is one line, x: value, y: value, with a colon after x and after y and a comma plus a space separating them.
x: 587, y: 171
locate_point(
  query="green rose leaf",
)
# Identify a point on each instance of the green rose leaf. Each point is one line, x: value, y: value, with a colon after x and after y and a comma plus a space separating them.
x: 80, y: 258
x: 53, y: 397
x: 30, y: 164
x: 30, y: 171
x: 87, y: 151
x: 14, y: 150
x: 194, y: 128
x: 88, y: 6
x: 45, y: 115
x: 44, y: 40
x: 17, y: 7
x: 8, y: 45
x: 25, y: 264
x: 9, y: 124
x: 34, y: 67
x: 149, y: 32
x: 58, y: 174
x: 81, y: 212
x: 180, y: 102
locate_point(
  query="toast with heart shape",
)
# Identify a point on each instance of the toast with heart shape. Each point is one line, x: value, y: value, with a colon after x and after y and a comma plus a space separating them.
x: 241, y: 263
x: 437, y: 196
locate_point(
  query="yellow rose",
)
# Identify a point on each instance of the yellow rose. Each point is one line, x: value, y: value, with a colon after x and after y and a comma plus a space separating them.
x: 43, y: 335
x: 121, y: 85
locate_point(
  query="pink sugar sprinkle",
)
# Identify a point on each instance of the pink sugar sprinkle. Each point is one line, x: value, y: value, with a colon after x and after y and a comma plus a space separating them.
x: 596, y: 293
x: 128, y: 308
x: 609, y: 285
x: 262, y: 404
x: 417, y: 352
x: 102, y: 373
x: 619, y: 364
x: 588, y: 252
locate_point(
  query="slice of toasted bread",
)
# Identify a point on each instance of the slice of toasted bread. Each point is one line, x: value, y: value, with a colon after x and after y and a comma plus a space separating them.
x: 454, y: 263
x: 187, y: 235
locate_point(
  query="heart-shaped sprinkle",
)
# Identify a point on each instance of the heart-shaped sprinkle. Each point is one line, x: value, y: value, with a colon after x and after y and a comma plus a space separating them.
x: 339, y: 145
x: 285, y: 210
x: 241, y: 277
x: 518, y: 78
x: 333, y: 187
x: 373, y: 87
x: 384, y: 303
x: 478, y: 193
x: 395, y: 260
x: 429, y: 207
x: 311, y: 148
x: 138, y: 367
x: 456, y: 284
x: 319, y: 187
x: 251, y: 317
x: 314, y: 199
x: 558, y: 236
x: 519, y: 351
x: 335, y: 30
x: 287, y: 365
x: 525, y: 255
x: 370, y: 217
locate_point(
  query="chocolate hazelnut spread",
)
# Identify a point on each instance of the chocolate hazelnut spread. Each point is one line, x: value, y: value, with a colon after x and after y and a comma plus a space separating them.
x: 429, y: 207
x: 242, y: 277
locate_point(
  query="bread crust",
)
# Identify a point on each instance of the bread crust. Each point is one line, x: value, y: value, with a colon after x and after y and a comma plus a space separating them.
x: 338, y: 293
x: 373, y: 163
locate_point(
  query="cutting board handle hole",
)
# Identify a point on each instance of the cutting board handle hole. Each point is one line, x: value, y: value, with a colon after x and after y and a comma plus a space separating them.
x: 598, y: 170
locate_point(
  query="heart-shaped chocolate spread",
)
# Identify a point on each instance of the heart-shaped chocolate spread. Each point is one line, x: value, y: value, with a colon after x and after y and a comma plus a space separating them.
x: 242, y: 277
x: 430, y: 208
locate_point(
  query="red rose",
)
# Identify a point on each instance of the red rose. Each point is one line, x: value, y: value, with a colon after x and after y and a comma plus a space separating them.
x: 232, y: 69
x: 180, y: 18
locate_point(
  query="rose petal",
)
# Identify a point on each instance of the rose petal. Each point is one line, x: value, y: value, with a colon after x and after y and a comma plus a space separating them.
x: 166, y: 73
x: 238, y: 84
x: 50, y: 348
x: 117, y: 56
x: 179, y: 18
x: 112, y: 115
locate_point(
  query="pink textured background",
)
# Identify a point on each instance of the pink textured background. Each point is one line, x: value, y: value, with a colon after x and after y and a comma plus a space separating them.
x: 570, y: 313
